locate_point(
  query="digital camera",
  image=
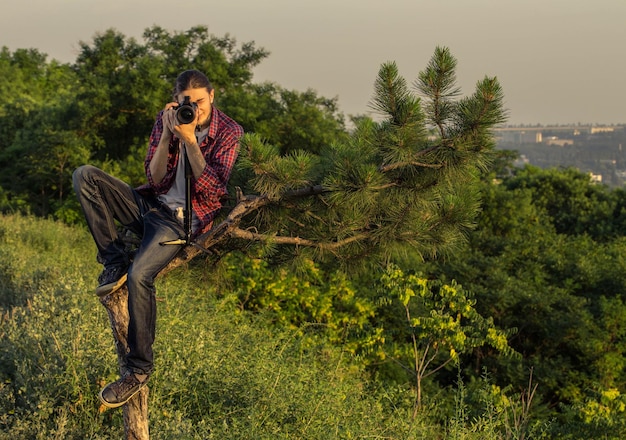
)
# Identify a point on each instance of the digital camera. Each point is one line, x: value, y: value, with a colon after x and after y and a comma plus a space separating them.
x: 186, y: 112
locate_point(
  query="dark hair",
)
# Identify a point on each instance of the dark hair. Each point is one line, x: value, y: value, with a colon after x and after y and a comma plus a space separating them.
x: 191, y: 79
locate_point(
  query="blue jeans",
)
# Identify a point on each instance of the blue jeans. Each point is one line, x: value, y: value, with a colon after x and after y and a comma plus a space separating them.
x: 104, y: 200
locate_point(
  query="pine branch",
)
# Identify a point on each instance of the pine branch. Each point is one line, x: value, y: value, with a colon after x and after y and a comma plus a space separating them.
x: 389, y: 185
x: 395, y: 166
x: 438, y: 83
x: 296, y: 241
x: 246, y: 204
x: 420, y: 153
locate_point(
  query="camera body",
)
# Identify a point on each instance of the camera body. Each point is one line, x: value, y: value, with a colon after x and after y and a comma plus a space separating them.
x: 186, y: 112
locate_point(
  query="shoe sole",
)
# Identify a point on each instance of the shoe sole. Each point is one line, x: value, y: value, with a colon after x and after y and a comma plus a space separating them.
x: 117, y: 404
x: 111, y: 287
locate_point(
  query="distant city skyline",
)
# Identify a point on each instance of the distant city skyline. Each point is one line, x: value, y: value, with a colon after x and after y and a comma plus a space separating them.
x: 558, y: 61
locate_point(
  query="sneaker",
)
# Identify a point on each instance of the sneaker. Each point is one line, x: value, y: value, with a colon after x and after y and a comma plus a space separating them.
x: 122, y: 390
x: 111, y: 279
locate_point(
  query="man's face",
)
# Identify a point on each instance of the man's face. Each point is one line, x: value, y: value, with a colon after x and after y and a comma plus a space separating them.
x: 203, y: 99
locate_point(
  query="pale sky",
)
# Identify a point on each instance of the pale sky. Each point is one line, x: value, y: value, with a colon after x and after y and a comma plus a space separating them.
x: 558, y: 61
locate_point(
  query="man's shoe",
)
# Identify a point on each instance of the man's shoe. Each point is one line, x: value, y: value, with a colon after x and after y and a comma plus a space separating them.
x: 111, y: 279
x: 122, y: 390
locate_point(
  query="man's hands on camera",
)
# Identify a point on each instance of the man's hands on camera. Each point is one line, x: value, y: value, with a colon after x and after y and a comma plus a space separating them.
x: 186, y: 132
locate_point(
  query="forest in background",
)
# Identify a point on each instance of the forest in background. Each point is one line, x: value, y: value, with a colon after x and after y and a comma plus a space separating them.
x: 515, y: 332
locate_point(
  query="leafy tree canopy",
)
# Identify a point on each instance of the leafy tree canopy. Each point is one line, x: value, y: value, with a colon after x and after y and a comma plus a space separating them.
x: 100, y: 109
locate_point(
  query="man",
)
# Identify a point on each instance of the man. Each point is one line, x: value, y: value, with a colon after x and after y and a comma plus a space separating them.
x: 154, y: 212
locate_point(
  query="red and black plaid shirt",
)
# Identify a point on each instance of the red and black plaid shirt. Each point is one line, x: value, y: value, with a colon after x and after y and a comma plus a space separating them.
x: 220, y: 149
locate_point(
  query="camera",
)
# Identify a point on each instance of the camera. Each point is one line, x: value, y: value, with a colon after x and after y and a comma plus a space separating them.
x: 186, y: 112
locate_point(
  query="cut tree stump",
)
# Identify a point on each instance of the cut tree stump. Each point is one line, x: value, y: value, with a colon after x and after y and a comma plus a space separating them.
x: 136, y: 410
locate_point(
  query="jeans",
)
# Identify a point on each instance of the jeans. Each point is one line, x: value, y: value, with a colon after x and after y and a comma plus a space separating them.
x: 105, y: 199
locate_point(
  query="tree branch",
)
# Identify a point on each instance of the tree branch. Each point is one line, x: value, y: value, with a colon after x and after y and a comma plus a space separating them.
x: 393, y: 166
x: 297, y: 241
x: 397, y: 165
x: 246, y: 204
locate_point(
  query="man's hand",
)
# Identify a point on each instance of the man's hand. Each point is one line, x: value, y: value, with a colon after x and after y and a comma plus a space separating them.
x: 186, y: 132
x: 169, y: 118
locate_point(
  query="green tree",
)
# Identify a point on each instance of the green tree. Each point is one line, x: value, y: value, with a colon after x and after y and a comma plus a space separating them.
x: 441, y: 324
x: 574, y: 205
x: 287, y: 119
x: 45, y: 158
x: 388, y: 190
x: 37, y: 151
x: 122, y: 89
x: 561, y: 287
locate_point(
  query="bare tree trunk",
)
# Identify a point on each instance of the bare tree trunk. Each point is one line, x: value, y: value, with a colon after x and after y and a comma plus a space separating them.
x: 136, y: 410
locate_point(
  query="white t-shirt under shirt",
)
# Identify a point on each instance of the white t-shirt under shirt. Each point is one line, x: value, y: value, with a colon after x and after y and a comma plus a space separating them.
x: 175, y: 197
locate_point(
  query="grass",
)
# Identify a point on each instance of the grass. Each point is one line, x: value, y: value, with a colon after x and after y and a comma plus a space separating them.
x: 220, y: 373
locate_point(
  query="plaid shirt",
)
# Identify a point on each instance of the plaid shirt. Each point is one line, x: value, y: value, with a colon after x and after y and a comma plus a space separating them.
x: 220, y: 149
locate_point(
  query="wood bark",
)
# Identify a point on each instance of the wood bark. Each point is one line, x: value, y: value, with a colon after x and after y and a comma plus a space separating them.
x: 136, y: 410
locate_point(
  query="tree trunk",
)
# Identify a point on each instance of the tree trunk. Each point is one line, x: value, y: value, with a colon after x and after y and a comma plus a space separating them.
x: 136, y: 410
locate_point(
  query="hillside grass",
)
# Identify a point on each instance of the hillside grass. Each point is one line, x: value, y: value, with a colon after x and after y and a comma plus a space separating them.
x: 220, y: 373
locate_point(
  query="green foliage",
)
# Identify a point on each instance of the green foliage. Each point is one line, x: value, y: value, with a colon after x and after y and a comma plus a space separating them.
x: 45, y: 158
x: 308, y: 302
x: 287, y: 119
x: 574, y: 205
x: 485, y: 410
x: 50, y: 344
x: 556, y: 278
x: 246, y: 379
x: 438, y: 82
x: 393, y: 187
x: 441, y: 323
x: 37, y: 151
x: 223, y: 372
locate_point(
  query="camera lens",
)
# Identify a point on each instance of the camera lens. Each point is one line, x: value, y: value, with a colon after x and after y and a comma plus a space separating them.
x: 185, y: 114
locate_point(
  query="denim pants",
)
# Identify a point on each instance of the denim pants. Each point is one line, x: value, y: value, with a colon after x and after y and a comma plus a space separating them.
x: 105, y: 199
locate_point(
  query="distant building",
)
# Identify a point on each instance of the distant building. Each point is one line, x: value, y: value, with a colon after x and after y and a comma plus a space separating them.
x: 553, y: 140
x: 520, y: 136
x: 560, y: 135
x: 595, y: 130
x: 595, y: 178
x: 596, y: 149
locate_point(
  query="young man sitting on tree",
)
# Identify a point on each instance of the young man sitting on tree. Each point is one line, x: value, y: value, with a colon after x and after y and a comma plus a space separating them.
x: 154, y: 212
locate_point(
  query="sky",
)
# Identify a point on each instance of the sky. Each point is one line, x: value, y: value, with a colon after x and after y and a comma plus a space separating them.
x: 558, y: 61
